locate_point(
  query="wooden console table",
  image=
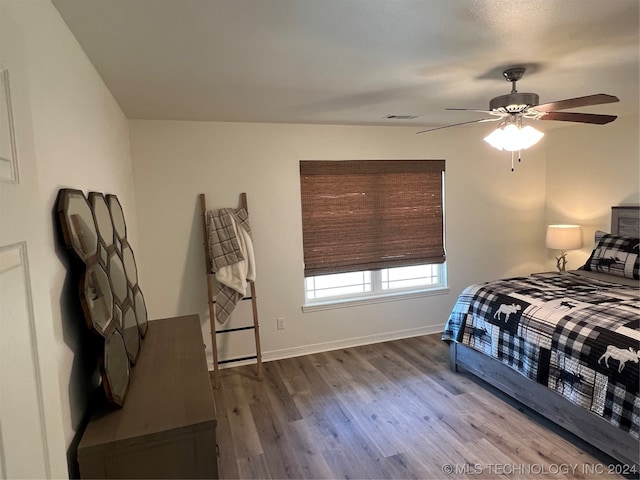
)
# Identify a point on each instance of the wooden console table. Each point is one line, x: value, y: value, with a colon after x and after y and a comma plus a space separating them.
x: 166, y: 428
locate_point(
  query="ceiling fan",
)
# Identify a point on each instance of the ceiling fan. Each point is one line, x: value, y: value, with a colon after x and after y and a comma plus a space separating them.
x: 511, y: 109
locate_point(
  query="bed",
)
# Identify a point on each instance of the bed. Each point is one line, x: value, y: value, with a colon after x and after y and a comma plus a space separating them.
x: 566, y: 344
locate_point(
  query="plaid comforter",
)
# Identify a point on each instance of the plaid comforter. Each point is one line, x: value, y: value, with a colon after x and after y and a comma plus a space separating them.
x: 578, y: 336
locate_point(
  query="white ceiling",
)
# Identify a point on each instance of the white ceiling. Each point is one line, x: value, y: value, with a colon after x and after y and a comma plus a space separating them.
x: 354, y: 61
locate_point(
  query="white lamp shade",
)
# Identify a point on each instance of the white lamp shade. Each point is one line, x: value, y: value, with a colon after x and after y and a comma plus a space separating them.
x: 564, y: 237
x: 529, y: 136
x: 513, y: 138
x: 495, y: 138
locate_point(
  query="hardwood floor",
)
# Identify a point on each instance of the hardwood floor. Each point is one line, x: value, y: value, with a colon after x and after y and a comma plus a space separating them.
x: 388, y: 410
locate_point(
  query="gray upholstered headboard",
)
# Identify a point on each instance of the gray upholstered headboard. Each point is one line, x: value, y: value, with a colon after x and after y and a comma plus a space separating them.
x: 625, y: 220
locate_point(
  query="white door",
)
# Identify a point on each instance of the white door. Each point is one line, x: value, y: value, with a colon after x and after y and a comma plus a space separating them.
x: 22, y: 433
x: 24, y: 410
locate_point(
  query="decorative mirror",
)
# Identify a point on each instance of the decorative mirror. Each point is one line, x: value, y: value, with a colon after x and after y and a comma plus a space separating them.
x: 78, y: 226
x: 118, y: 278
x: 97, y: 300
x: 141, y: 312
x: 102, y: 218
x: 130, y: 266
x: 131, y: 333
x: 117, y: 317
x: 117, y: 216
x: 102, y: 253
x: 115, y: 369
x: 113, y: 305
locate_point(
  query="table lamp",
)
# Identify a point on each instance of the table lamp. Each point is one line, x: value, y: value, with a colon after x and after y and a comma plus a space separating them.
x: 563, y: 238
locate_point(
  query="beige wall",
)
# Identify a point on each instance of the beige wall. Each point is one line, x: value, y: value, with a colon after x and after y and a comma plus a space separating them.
x: 494, y: 220
x: 70, y: 133
x: 589, y: 169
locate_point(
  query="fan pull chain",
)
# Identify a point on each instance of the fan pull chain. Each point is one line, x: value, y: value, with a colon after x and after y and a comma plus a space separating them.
x: 513, y: 153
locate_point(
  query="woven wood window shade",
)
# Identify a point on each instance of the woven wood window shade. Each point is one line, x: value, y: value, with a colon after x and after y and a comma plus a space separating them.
x: 371, y: 214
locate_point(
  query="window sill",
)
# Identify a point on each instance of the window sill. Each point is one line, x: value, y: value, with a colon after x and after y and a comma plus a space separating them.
x: 385, y: 297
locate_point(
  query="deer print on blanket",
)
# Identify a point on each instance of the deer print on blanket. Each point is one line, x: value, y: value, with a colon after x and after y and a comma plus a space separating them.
x: 566, y: 305
x: 478, y: 335
x: 507, y: 311
x: 567, y: 378
x: 621, y: 355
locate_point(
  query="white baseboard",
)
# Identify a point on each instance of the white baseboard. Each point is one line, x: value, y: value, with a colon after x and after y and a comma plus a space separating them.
x: 336, y: 345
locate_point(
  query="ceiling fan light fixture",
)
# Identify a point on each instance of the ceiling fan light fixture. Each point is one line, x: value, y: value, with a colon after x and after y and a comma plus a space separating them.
x: 495, y: 138
x: 513, y: 138
x: 529, y: 136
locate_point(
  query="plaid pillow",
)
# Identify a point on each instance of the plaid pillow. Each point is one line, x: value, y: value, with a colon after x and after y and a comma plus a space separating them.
x: 616, y: 255
x: 598, y: 236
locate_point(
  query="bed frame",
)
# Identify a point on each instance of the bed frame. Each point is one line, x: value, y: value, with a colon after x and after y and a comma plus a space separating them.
x: 625, y: 220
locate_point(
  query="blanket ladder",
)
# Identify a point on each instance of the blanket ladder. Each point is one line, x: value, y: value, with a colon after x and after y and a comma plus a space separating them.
x: 212, y: 303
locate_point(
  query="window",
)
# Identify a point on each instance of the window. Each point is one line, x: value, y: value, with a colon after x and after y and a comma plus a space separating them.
x: 373, y: 283
x: 372, y: 227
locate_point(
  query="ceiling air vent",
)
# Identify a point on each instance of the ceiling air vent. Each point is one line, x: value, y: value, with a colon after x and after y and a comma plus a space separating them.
x: 401, y: 117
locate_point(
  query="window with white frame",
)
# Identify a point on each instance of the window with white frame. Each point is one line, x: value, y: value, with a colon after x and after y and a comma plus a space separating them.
x: 372, y: 228
x: 374, y: 283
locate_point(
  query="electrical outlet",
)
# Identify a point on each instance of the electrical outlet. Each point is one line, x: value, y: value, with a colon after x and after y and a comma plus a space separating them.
x: 280, y: 321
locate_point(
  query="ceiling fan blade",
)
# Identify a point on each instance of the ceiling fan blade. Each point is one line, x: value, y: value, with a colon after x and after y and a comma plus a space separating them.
x: 598, y: 99
x: 579, y: 117
x: 458, y: 124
